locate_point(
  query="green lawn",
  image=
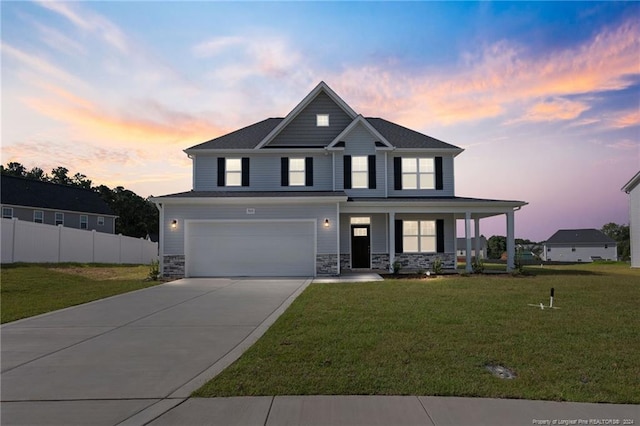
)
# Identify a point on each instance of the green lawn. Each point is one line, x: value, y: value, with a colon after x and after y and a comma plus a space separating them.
x: 435, y: 337
x: 30, y: 289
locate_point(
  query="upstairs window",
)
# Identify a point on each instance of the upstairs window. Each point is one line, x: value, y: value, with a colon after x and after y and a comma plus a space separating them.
x: 233, y: 171
x: 322, y: 120
x: 359, y: 172
x: 38, y: 216
x: 7, y: 212
x: 296, y: 171
x: 84, y: 221
x: 419, y: 236
x: 59, y: 219
x: 418, y: 173
x: 100, y: 220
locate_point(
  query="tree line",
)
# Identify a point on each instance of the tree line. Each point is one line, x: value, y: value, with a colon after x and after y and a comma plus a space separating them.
x: 137, y: 216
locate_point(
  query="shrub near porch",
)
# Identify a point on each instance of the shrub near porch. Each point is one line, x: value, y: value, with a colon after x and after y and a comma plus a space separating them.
x: 436, y: 336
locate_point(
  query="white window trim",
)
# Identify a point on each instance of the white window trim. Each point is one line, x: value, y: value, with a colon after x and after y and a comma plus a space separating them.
x: 7, y: 209
x: 420, y: 236
x: 86, y: 221
x: 360, y: 172
x: 232, y: 172
x: 322, y: 120
x: 419, y: 173
x: 41, y: 217
x: 56, y: 221
x: 297, y: 172
x: 100, y: 220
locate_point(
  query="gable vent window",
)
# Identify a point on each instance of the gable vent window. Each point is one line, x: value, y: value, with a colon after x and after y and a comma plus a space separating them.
x: 322, y: 120
x: 233, y: 171
x: 296, y: 171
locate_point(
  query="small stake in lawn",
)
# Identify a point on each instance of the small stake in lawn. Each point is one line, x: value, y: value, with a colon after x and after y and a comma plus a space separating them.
x: 550, y: 302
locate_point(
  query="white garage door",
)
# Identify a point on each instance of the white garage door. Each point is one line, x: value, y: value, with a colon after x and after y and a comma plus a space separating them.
x: 250, y: 248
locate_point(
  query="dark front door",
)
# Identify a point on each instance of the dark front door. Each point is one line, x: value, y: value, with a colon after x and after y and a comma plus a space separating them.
x: 360, y: 246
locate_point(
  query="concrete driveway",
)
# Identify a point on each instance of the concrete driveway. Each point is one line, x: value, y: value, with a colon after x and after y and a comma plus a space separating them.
x: 129, y: 358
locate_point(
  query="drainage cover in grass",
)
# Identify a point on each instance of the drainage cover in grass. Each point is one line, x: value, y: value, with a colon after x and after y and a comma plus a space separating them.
x: 500, y: 372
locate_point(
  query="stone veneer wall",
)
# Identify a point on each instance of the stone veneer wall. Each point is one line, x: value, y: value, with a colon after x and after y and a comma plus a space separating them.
x: 380, y: 261
x: 345, y: 262
x: 173, y: 266
x: 416, y: 261
x: 327, y: 264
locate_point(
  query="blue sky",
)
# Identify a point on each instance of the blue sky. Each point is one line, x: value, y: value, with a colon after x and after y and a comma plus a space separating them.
x: 543, y: 96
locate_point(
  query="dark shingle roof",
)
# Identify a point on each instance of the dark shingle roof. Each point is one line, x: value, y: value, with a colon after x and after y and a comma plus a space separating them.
x: 402, y: 137
x: 249, y: 137
x: 264, y: 194
x: 579, y: 236
x: 19, y: 191
x: 245, y: 138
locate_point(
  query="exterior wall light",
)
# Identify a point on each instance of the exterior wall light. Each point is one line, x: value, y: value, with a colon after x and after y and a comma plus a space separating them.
x: 326, y: 223
x: 174, y: 224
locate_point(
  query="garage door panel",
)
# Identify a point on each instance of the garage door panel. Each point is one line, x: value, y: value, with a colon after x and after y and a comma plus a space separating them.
x: 250, y: 249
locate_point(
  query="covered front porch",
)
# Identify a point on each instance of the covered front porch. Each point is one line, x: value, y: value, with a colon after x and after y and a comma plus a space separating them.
x: 376, y: 233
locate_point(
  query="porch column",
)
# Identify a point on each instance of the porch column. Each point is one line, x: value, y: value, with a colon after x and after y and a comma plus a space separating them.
x: 338, y: 236
x: 477, y: 241
x: 392, y: 239
x: 511, y: 243
x: 467, y: 236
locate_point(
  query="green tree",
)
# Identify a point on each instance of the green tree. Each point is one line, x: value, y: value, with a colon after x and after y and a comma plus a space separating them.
x: 61, y: 175
x: 621, y: 234
x: 496, y: 245
x: 14, y: 169
x: 137, y: 216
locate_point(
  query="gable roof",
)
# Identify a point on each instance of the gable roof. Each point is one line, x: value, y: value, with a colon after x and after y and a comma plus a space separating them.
x: 380, y: 143
x: 17, y: 191
x: 579, y: 236
x: 628, y: 187
x: 322, y: 87
x: 260, y: 134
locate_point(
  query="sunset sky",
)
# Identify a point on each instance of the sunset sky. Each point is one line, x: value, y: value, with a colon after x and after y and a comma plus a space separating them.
x: 543, y: 97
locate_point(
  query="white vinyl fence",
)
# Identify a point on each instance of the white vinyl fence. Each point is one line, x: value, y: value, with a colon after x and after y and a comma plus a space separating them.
x: 24, y: 241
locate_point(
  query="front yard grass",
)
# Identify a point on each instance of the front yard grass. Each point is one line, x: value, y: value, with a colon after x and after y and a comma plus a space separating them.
x: 435, y: 336
x: 31, y: 289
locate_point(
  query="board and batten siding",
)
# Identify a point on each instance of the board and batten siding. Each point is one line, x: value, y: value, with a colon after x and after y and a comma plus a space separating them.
x: 448, y: 189
x: 302, y: 130
x: 264, y: 173
x: 174, y: 238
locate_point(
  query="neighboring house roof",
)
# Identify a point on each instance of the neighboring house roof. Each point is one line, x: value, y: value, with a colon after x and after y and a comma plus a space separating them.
x: 252, y: 194
x: 579, y: 236
x: 462, y: 242
x: 628, y: 187
x: 17, y: 191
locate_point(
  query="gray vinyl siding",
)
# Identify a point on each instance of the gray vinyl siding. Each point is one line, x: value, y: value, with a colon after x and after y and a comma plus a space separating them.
x: 174, y: 238
x: 449, y: 227
x: 264, y: 173
x: 379, y: 232
x: 71, y: 219
x: 634, y: 211
x: 359, y: 142
x: 303, y: 130
x: 448, y: 189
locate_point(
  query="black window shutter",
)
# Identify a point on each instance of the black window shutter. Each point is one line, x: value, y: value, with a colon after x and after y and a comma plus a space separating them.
x: 308, y: 171
x: 372, y: 172
x: 439, y: 184
x: 284, y: 171
x: 398, y: 236
x: 245, y: 171
x: 440, y: 236
x: 347, y: 172
x: 397, y: 173
x: 221, y: 170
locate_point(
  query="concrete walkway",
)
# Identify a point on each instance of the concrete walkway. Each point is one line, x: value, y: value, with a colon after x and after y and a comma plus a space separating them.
x: 136, y: 354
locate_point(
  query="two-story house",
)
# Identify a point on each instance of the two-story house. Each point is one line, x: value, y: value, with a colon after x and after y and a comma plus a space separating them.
x: 317, y: 192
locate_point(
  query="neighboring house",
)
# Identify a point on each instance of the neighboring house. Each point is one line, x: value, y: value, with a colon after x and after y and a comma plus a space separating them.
x: 319, y: 191
x: 633, y: 189
x: 54, y: 204
x: 481, y: 247
x: 579, y: 245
